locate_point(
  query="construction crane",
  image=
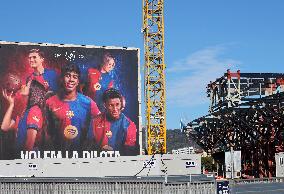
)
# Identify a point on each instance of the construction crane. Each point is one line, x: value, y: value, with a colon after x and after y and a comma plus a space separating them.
x: 154, y: 72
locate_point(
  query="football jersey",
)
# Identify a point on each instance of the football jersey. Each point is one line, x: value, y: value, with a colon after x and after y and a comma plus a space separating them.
x: 115, y: 133
x: 98, y: 83
x: 68, y: 121
x: 31, y: 119
x: 48, y: 79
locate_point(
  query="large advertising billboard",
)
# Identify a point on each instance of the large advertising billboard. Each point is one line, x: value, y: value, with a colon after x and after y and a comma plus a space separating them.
x: 68, y: 100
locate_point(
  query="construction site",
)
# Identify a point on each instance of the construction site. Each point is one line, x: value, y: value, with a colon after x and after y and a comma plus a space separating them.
x: 246, y: 114
x: 243, y: 130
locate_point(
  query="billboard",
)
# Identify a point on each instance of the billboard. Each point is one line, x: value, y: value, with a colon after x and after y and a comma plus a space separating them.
x: 68, y: 100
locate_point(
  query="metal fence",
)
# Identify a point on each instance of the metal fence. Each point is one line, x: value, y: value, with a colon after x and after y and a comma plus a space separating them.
x: 121, y: 185
x: 109, y: 187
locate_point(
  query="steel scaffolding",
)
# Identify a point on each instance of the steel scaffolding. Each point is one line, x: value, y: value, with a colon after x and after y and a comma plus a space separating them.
x: 246, y: 113
x: 153, y: 30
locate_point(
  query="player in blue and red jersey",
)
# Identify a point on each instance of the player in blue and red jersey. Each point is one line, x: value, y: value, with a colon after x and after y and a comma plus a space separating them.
x: 112, y: 130
x: 28, y: 127
x: 99, y: 80
x: 69, y: 112
x: 47, y: 77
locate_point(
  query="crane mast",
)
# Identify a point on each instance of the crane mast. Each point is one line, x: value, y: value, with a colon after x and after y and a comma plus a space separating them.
x: 154, y: 72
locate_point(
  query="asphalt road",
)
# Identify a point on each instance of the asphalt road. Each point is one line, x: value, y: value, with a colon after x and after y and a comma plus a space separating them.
x: 258, y: 188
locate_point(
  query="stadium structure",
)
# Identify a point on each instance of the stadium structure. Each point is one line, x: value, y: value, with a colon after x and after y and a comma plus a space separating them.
x: 245, y: 114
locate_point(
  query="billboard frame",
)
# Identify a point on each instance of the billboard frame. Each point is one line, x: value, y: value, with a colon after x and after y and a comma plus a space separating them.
x: 139, y: 87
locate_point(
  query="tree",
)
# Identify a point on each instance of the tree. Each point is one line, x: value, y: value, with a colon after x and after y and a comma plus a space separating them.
x: 207, y: 164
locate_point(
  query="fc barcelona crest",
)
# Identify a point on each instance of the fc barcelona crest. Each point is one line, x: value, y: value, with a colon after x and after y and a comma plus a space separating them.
x: 108, y: 134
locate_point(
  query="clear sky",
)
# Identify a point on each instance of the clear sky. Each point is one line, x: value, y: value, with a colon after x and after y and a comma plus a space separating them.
x: 202, y: 38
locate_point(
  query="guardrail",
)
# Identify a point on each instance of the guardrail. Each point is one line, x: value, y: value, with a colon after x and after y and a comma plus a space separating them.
x: 257, y: 180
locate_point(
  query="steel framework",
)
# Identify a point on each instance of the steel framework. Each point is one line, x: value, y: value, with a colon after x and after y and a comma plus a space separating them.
x: 153, y: 30
x: 247, y: 114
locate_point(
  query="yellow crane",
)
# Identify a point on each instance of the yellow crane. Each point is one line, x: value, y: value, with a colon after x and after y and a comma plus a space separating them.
x: 154, y: 72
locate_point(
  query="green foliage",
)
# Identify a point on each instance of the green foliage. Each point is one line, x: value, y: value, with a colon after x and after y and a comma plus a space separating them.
x: 175, y: 140
x: 207, y: 164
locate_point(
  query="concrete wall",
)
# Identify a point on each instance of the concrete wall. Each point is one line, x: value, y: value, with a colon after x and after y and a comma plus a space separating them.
x: 279, y: 159
x: 141, y: 165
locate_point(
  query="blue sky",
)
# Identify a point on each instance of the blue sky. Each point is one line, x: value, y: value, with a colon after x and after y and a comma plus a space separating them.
x: 202, y: 38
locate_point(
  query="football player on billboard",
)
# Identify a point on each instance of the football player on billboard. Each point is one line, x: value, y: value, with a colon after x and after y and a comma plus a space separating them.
x: 47, y: 77
x: 99, y: 80
x: 69, y: 112
x: 112, y: 130
x: 28, y: 127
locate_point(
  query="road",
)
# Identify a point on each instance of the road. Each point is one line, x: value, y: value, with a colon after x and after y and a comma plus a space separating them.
x: 258, y: 188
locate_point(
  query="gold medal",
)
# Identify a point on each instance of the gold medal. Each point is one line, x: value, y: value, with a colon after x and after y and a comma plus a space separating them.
x: 70, y: 132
